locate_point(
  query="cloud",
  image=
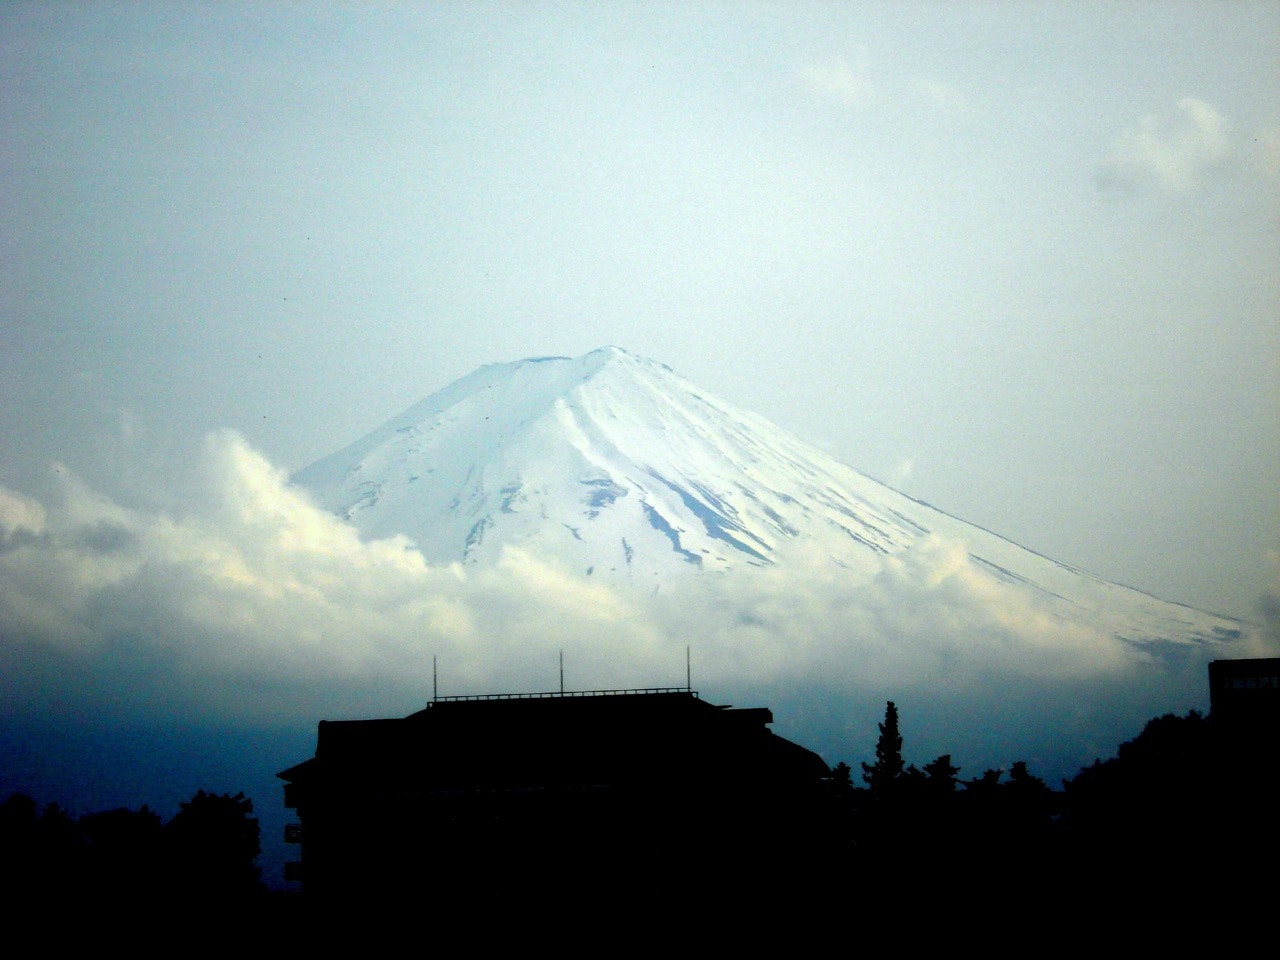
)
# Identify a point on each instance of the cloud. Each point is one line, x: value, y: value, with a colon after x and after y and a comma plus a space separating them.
x: 946, y: 96
x: 253, y: 606
x: 902, y: 471
x: 1267, y: 149
x: 1172, y: 152
x: 1269, y: 603
x: 21, y: 519
x: 254, y: 585
x: 838, y: 80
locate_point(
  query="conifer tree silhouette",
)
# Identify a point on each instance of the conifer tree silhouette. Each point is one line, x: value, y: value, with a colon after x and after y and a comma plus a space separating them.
x: 884, y: 773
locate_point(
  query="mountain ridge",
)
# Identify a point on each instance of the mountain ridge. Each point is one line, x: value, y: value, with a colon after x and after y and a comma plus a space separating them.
x: 615, y: 466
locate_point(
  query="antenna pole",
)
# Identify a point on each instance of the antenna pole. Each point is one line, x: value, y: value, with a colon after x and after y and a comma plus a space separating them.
x: 688, y: 672
x: 435, y: 690
x: 562, y: 673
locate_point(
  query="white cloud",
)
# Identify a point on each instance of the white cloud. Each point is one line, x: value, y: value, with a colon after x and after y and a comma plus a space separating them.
x: 947, y: 96
x: 902, y: 471
x: 256, y: 605
x: 1173, y: 151
x: 838, y: 80
x: 20, y: 517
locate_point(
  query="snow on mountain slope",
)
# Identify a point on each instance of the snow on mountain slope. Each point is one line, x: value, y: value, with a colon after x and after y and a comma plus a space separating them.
x: 617, y: 467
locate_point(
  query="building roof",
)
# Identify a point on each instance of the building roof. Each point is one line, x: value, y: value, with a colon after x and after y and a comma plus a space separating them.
x: 614, y: 737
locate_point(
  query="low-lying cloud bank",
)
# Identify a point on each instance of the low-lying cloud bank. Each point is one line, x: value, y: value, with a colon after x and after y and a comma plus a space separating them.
x: 251, y: 607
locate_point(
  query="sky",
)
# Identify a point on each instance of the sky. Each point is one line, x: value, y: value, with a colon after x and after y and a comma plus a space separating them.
x: 1019, y: 260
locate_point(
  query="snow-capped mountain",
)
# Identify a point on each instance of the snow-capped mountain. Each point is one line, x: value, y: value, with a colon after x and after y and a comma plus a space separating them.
x: 617, y: 467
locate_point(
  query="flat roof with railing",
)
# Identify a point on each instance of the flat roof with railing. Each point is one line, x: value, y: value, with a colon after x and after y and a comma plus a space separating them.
x: 632, y: 691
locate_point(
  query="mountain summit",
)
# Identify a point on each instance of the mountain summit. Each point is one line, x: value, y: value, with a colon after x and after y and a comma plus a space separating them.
x: 616, y: 467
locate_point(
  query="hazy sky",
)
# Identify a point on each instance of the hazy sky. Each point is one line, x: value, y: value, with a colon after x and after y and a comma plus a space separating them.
x: 1020, y: 260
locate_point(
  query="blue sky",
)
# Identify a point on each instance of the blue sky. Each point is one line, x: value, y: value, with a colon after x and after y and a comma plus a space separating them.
x: 1020, y: 260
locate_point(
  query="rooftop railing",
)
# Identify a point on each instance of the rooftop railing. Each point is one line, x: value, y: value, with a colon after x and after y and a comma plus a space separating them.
x: 633, y: 691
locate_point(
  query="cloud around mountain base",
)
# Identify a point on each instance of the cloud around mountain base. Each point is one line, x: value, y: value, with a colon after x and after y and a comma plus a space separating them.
x: 252, y: 606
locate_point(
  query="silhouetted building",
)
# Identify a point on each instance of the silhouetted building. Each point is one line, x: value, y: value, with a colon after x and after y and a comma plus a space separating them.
x: 1246, y: 692
x: 489, y: 792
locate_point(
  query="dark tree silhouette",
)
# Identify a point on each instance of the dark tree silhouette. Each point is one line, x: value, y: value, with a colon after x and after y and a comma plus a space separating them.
x: 882, y: 775
x: 884, y: 830
x: 841, y: 791
x: 213, y: 845
x: 842, y: 778
x: 942, y: 775
x: 912, y: 780
x: 121, y: 852
x: 1168, y: 782
x: 1025, y: 790
x: 985, y: 785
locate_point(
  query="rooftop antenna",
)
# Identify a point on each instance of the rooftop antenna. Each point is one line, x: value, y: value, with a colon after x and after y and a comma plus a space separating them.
x: 562, y: 673
x: 435, y: 690
x: 688, y: 672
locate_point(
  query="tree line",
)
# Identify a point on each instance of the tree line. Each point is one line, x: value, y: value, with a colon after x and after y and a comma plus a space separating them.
x: 1187, y: 798
x: 206, y: 853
